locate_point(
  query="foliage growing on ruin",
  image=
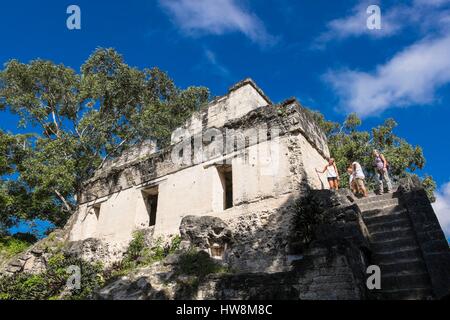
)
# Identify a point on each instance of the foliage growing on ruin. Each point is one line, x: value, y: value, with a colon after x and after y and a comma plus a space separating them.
x: 76, y: 121
x: 199, y: 264
x: 348, y: 143
x: 51, y: 284
x: 10, y: 246
x: 138, y: 254
x: 309, y: 213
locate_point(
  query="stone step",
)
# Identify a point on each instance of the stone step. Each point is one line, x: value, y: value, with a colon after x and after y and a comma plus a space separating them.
x: 399, y: 248
x: 405, y: 294
x: 368, y: 214
x: 375, y: 198
x: 382, y: 246
x: 385, y: 218
x: 393, y: 225
x: 394, y: 190
x: 381, y: 204
x: 397, y: 256
x: 403, y: 268
x: 420, y: 280
x: 391, y: 235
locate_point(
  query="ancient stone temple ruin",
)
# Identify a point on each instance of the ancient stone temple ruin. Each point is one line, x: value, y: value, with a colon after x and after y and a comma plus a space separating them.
x: 239, y: 154
x: 239, y: 184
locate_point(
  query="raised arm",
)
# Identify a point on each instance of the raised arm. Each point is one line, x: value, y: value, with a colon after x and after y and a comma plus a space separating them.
x: 325, y: 169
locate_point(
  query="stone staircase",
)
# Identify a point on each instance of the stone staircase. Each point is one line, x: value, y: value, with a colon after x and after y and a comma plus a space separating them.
x: 395, y: 249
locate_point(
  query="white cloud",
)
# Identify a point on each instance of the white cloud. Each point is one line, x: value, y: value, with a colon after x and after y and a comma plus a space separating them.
x: 218, y: 68
x: 411, y: 77
x: 421, y: 14
x: 433, y: 3
x: 442, y: 208
x: 355, y: 25
x: 216, y: 17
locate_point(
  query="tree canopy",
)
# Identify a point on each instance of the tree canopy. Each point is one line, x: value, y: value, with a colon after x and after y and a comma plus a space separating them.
x: 77, y: 120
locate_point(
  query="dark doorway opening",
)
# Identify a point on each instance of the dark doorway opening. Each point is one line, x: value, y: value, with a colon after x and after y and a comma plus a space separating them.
x: 226, y: 177
x: 151, y: 203
x: 96, y: 208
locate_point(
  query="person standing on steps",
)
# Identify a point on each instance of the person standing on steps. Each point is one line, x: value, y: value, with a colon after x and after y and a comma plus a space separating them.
x: 351, y: 180
x: 381, y: 172
x: 358, y: 178
x: 332, y: 174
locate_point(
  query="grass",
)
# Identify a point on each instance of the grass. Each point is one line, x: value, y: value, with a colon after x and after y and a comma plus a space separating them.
x: 10, y: 246
x: 139, y: 255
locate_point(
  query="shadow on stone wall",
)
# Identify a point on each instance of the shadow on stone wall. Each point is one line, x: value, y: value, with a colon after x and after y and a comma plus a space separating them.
x: 429, y: 235
x: 310, y: 248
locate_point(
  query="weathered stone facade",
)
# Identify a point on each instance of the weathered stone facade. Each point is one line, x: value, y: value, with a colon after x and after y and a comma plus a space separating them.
x: 269, y: 151
x: 333, y: 265
x: 430, y: 238
x: 265, y: 257
x: 252, y: 201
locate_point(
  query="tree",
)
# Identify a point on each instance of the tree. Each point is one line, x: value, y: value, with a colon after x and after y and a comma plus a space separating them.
x: 76, y: 122
x: 347, y: 143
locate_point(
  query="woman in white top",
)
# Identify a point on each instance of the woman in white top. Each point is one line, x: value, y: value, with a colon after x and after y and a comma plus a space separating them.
x: 332, y: 174
x: 358, y: 178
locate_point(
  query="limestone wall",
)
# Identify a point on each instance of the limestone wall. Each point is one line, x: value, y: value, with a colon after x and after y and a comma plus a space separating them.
x: 326, y: 275
x: 292, y: 121
x: 273, y: 151
x: 242, y: 98
x: 139, y: 151
x: 115, y: 220
x: 260, y: 172
x: 265, y: 257
x: 312, y: 160
x: 428, y: 232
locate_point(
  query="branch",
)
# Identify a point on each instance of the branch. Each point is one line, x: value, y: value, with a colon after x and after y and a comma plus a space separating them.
x: 66, y: 204
x: 56, y: 123
x: 45, y: 127
x: 368, y: 142
x: 109, y: 154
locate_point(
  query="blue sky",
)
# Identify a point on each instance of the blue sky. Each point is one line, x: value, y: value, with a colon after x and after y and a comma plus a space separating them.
x: 319, y: 51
